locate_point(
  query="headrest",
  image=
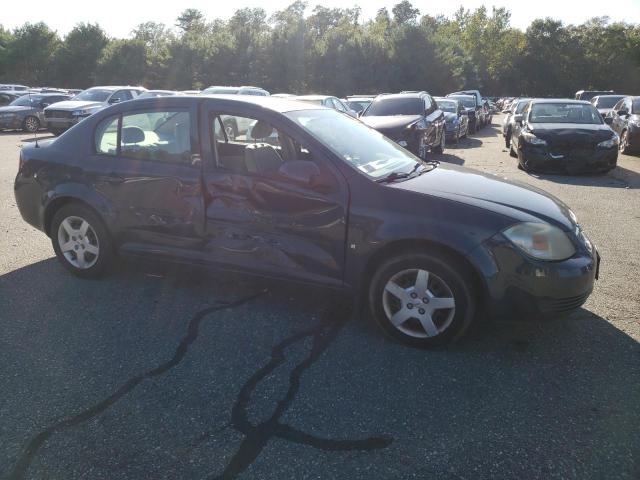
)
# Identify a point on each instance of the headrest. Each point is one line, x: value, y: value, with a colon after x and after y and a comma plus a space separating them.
x: 261, y: 130
x: 132, y: 135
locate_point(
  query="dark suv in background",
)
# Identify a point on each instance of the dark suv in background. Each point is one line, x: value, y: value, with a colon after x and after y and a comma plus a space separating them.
x: 624, y: 119
x: 411, y: 119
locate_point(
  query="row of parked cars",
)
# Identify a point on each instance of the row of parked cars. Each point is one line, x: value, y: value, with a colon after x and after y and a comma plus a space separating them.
x: 579, y: 135
x: 413, y: 119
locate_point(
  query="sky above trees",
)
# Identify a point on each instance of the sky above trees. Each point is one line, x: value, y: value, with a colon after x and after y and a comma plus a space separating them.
x: 119, y: 17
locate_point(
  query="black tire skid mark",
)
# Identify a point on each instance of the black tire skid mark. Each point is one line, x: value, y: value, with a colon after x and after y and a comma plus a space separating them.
x: 27, y: 455
x: 258, y: 436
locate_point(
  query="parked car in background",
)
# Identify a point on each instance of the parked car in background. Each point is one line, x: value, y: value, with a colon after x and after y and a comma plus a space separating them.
x: 159, y: 93
x: 326, y: 101
x: 359, y: 103
x: 473, y: 110
x: 589, y: 94
x: 605, y: 103
x: 456, y: 118
x: 563, y: 135
x: 64, y: 115
x: 247, y: 90
x: 625, y: 121
x: 26, y: 112
x: 509, y: 120
x: 13, y: 86
x: 326, y: 205
x: 74, y: 91
x: 413, y: 120
x: 8, y: 96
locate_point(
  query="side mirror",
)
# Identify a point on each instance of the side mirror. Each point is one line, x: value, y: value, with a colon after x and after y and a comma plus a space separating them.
x: 622, y: 113
x: 114, y: 100
x: 608, y: 120
x: 305, y: 173
x: 45, y: 105
x: 353, y: 113
x: 518, y: 118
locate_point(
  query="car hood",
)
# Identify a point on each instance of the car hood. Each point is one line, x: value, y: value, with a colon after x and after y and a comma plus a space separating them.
x: 15, y: 109
x: 75, y: 105
x: 391, y: 122
x: 571, y: 132
x: 510, y: 198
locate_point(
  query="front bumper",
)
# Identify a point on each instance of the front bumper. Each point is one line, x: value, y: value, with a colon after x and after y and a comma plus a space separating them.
x: 519, y: 286
x: 62, y: 123
x: 11, y: 123
x: 542, y: 157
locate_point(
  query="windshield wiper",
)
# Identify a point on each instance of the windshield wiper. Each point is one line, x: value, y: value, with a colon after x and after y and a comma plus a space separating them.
x: 393, y: 176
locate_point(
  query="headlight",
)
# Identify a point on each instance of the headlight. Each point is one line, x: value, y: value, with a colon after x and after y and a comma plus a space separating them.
x: 420, y: 124
x: 80, y: 113
x: 612, y: 142
x: 541, y: 241
x: 531, y: 139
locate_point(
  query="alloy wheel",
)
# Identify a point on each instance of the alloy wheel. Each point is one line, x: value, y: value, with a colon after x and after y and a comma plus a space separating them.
x: 78, y: 242
x: 31, y: 124
x: 418, y: 303
x: 623, y: 141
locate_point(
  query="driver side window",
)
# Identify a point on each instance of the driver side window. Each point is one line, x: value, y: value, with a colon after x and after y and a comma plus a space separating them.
x: 252, y: 146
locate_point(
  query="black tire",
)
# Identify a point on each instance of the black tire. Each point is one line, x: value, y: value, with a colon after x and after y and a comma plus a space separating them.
x: 439, y: 149
x: 31, y: 124
x: 507, y: 139
x: 512, y: 152
x: 443, y: 267
x: 98, y: 233
x: 624, y: 143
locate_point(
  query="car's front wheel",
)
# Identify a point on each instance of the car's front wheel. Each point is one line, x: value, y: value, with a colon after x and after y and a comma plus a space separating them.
x: 624, y: 143
x: 81, y: 241
x: 31, y: 124
x: 439, y: 149
x: 423, y: 300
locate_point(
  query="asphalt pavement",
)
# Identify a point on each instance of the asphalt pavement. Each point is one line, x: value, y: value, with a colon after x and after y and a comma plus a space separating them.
x: 153, y: 373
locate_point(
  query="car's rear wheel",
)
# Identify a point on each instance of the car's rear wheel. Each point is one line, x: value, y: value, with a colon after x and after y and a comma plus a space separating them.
x: 423, y: 300
x: 81, y: 241
x: 31, y: 124
x: 512, y: 152
x: 507, y: 139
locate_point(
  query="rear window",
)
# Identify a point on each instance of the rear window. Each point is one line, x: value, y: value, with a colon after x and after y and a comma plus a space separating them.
x: 607, y: 102
x: 395, y: 106
x: 468, y: 102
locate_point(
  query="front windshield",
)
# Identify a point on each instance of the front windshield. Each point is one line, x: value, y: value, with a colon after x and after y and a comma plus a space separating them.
x: 27, y: 100
x: 93, y: 95
x: 448, y: 106
x: 564, y: 113
x: 468, y: 102
x: 608, y: 102
x: 364, y: 148
x: 386, y: 106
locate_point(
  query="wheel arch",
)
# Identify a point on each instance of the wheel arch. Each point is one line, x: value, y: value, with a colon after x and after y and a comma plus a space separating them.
x: 398, y: 247
x: 59, y: 202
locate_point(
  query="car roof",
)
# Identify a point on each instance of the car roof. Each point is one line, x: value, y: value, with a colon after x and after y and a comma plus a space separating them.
x: 460, y: 95
x: 277, y: 104
x: 115, y: 87
x: 560, y: 100
x: 610, y: 95
x: 401, y: 95
x: 314, y: 97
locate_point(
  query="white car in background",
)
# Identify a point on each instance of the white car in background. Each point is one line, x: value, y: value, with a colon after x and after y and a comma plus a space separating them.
x: 64, y: 115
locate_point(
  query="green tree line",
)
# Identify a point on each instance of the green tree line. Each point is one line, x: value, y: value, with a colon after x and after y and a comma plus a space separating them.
x: 334, y: 51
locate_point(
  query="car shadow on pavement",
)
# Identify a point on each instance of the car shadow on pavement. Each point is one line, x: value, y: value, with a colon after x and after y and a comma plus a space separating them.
x: 619, y: 177
x: 168, y: 372
x: 465, y: 143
